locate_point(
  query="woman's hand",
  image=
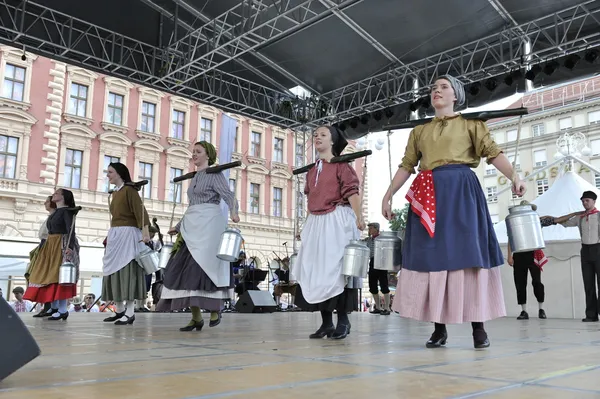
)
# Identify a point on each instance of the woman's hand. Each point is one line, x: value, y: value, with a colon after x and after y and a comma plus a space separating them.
x: 510, y: 261
x: 146, y: 238
x: 519, y: 188
x: 235, y: 218
x: 172, y: 232
x: 386, y: 210
x: 68, y: 254
x: 360, y: 223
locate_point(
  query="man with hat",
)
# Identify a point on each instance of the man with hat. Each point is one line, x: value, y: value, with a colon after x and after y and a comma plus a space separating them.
x: 377, y: 278
x: 588, y: 222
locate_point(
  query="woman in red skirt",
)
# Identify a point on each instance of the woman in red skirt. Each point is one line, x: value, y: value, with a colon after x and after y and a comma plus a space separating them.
x: 450, y: 257
x: 57, y: 249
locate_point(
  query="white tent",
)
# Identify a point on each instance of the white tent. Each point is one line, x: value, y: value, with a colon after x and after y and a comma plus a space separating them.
x: 12, y: 266
x: 561, y: 199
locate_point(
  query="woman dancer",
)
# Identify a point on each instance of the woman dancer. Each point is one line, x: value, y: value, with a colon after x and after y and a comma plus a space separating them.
x: 124, y: 279
x: 43, y: 235
x: 334, y: 218
x: 57, y: 249
x: 451, y: 253
x: 194, y: 276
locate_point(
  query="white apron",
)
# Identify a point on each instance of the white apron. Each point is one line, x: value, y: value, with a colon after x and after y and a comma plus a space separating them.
x: 122, y: 246
x: 201, y: 229
x: 318, y: 268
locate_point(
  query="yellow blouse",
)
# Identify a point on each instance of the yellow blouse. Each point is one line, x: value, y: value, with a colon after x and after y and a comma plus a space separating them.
x: 449, y: 140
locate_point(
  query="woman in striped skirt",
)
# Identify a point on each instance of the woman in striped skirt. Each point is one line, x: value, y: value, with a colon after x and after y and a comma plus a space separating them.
x: 451, y: 255
x: 194, y: 276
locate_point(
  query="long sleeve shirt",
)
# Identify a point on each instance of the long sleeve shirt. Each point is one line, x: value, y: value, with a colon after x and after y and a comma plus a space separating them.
x: 589, y: 227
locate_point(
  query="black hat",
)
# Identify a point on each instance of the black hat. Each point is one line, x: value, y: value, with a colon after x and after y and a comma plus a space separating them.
x: 339, y: 142
x: 589, y: 194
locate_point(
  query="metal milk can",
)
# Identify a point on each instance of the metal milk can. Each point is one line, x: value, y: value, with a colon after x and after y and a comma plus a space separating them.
x: 524, y: 229
x: 67, y: 274
x: 230, y: 245
x: 356, y: 259
x: 388, y: 252
x: 165, y: 255
x: 148, y: 259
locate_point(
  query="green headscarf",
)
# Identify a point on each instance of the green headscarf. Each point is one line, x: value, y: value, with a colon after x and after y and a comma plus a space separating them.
x: 211, y: 152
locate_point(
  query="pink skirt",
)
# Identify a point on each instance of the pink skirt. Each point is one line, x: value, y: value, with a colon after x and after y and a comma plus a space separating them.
x: 450, y: 297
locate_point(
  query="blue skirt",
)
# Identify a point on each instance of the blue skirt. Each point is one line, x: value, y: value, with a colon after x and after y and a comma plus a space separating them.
x: 464, y: 233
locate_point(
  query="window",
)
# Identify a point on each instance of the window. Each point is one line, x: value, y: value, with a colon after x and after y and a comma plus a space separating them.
x: 597, y: 180
x: 595, y: 144
x: 299, y: 155
x: 115, y: 109
x: 206, y: 129
x: 278, y: 150
x: 233, y: 187
x: 538, y: 130
x: 255, y: 144
x: 490, y: 169
x: 175, y: 186
x: 511, y: 158
x: 542, y: 186
x: 277, y: 201
x: 8, y: 156
x: 511, y: 135
x: 146, y: 174
x: 254, y: 198
x: 491, y: 194
x: 73, y: 165
x: 148, y: 117
x: 14, y: 83
x: 299, y: 205
x: 565, y: 123
x: 539, y: 157
x: 594, y: 117
x: 235, y: 139
x: 178, y: 124
x: 107, y: 161
x: 78, y: 100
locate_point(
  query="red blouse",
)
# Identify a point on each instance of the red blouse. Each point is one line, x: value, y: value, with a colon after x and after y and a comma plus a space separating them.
x: 330, y: 187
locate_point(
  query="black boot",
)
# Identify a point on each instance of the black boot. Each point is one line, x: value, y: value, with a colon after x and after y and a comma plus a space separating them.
x: 327, y: 328
x: 480, y: 338
x: 343, y: 325
x: 439, y: 336
x: 47, y: 311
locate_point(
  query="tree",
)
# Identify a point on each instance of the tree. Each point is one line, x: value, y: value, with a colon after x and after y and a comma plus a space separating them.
x: 399, y: 220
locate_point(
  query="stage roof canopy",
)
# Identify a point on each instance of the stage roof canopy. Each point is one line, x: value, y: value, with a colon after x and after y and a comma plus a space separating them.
x: 360, y: 60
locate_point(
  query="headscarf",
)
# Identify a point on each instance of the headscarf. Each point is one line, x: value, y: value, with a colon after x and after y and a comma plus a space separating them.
x: 339, y: 142
x: 459, y: 90
x: 122, y: 171
x: 211, y: 152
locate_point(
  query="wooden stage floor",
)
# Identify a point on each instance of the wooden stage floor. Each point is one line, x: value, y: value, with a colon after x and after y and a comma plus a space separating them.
x: 270, y: 356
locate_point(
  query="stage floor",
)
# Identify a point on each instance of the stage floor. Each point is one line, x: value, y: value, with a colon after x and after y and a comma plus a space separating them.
x: 270, y: 356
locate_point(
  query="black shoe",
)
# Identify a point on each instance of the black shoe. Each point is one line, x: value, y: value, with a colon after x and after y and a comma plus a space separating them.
x: 46, y: 313
x: 589, y: 320
x: 437, y: 340
x: 385, y: 313
x: 116, y: 317
x: 375, y: 311
x: 61, y: 316
x: 341, y: 331
x: 523, y: 316
x: 480, y: 339
x: 130, y: 320
x: 191, y: 327
x: 322, y: 332
x: 542, y: 314
x: 214, y: 323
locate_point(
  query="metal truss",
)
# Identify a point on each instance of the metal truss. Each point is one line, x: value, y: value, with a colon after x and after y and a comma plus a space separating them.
x: 551, y: 36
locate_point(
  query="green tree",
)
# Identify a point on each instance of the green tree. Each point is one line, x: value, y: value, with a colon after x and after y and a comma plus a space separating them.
x: 399, y: 220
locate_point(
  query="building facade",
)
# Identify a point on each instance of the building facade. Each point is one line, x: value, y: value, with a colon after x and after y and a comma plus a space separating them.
x: 568, y: 108
x: 61, y: 125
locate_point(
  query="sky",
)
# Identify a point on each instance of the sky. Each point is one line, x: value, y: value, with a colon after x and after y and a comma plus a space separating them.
x: 378, y: 174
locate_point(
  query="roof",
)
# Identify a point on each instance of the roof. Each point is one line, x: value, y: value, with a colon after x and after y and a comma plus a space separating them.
x: 562, y: 198
x: 355, y: 57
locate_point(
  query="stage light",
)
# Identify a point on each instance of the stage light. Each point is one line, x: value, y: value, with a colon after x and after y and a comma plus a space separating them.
x: 491, y: 84
x: 550, y: 67
x: 388, y: 112
x: 474, y: 88
x: 571, y: 61
x: 591, y: 55
x: 365, y: 119
x: 377, y: 115
x: 533, y: 72
x: 508, y: 80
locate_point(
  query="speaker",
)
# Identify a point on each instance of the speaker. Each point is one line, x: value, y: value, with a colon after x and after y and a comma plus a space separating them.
x: 256, y: 302
x: 17, y: 346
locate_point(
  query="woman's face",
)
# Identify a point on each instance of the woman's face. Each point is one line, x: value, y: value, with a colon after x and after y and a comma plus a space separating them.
x: 442, y: 94
x: 57, y: 196
x: 113, y: 176
x: 199, y: 156
x: 323, y: 141
x: 47, y: 205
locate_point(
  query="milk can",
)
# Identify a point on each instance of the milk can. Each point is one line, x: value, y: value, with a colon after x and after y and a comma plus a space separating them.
x: 524, y: 229
x: 356, y: 259
x: 165, y: 255
x: 230, y: 245
x: 67, y: 274
x: 388, y: 252
x: 148, y: 260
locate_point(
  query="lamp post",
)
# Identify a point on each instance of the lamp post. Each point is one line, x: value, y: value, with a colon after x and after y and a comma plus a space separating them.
x: 365, y: 143
x: 570, y: 146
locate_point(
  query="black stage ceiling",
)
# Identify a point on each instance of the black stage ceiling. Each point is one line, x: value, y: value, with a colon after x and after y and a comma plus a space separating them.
x: 357, y: 58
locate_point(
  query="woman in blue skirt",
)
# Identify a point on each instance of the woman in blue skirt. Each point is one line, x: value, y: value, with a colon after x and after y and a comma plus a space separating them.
x: 451, y: 255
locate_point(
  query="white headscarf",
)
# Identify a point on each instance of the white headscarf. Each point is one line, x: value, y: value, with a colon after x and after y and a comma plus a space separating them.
x: 459, y: 90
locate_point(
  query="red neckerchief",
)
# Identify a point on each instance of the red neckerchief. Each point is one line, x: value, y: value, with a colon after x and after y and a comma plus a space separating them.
x: 588, y: 213
x: 421, y: 197
x: 539, y: 258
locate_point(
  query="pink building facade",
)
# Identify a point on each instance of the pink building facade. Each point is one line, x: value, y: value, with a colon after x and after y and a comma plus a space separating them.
x: 61, y: 125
